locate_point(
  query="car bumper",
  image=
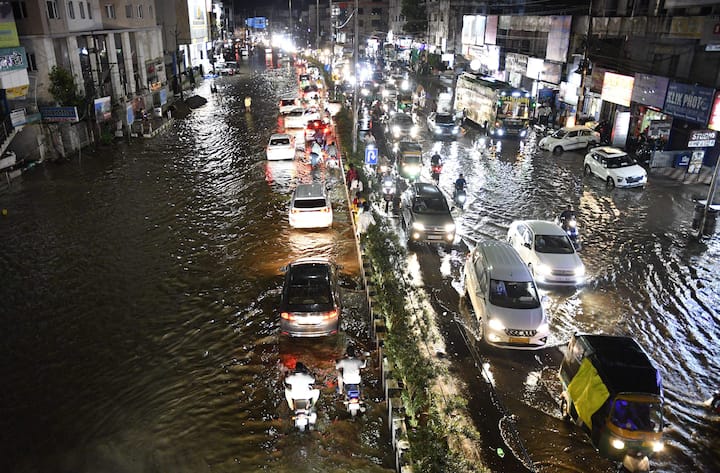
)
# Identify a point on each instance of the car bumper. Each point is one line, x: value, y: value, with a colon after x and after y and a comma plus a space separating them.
x: 555, y: 280
x: 432, y: 236
x: 283, y: 156
x: 445, y: 133
x: 501, y: 339
x: 317, y: 330
x: 623, y: 184
x: 313, y: 220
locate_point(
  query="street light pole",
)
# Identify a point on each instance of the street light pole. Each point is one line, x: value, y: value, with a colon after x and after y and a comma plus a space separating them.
x: 355, y: 74
x: 584, y: 67
x: 317, y: 24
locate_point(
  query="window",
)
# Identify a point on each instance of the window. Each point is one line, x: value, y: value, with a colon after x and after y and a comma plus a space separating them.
x: 82, y: 10
x: 19, y: 10
x: 71, y: 10
x: 376, y: 11
x: 360, y: 11
x: 140, y: 11
x: 110, y: 11
x: 32, y: 64
x: 89, y: 10
x: 128, y: 11
x: 52, y: 10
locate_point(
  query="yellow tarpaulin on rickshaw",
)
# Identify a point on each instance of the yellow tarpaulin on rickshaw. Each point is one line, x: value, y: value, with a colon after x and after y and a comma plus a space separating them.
x: 587, y: 391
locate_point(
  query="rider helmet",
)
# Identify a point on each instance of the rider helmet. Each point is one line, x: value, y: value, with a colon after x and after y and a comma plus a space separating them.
x: 300, y: 367
x: 350, y: 351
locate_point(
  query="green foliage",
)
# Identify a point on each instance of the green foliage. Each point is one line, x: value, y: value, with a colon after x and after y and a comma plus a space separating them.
x: 63, y: 89
x: 415, y: 16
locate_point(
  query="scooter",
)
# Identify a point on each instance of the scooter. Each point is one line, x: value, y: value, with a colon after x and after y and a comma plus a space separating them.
x: 460, y: 197
x: 304, y: 415
x: 435, y: 173
x: 388, y: 191
x: 571, y: 228
x: 353, y: 402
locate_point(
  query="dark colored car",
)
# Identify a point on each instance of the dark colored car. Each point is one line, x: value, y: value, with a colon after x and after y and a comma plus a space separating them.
x: 426, y: 215
x: 310, y: 303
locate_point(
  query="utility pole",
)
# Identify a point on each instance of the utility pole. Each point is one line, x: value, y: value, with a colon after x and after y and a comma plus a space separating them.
x: 290, y: 23
x: 355, y: 85
x: 708, y: 201
x: 584, y: 65
x: 317, y: 24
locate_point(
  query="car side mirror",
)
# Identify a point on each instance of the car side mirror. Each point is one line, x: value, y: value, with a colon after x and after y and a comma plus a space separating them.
x: 527, y: 245
x: 284, y: 269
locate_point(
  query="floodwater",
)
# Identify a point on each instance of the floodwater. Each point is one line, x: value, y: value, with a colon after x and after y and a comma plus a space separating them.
x: 647, y: 279
x: 138, y: 288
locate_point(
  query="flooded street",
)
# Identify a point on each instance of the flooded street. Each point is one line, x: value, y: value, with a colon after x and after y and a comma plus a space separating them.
x: 138, y: 294
x: 647, y: 279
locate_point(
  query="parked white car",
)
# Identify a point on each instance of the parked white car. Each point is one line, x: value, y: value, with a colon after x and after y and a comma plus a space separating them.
x: 504, y: 298
x: 281, y: 146
x: 615, y: 167
x: 575, y: 137
x: 547, y: 251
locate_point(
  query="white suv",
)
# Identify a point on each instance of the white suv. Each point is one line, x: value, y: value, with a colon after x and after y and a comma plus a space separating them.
x: 576, y: 137
x: 615, y: 167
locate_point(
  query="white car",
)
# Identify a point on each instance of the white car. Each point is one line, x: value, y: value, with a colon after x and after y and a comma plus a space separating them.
x: 310, y: 207
x: 281, y: 146
x: 575, y: 137
x: 615, y: 167
x: 288, y: 104
x: 503, y: 296
x: 547, y: 251
x: 298, y: 117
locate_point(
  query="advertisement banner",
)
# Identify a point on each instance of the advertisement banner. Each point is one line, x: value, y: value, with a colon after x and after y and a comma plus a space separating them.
x: 8, y: 30
x: 129, y: 114
x: 491, y: 29
x: 689, y: 102
x: 596, y: 80
x: 103, y: 109
x: 711, y: 31
x: 617, y: 88
x: 714, y: 123
x: 468, y: 29
x: 479, y: 30
x: 59, y: 114
x: 558, y: 38
x: 12, y: 59
x: 702, y: 139
x: 687, y: 27
x: 650, y: 90
x: 17, y: 117
x: 516, y: 63
x: 17, y: 92
x: 545, y: 71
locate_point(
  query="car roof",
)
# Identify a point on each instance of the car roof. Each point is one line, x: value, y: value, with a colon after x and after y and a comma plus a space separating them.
x: 310, y: 261
x: 576, y: 128
x: 504, y: 261
x: 401, y: 116
x: 409, y: 146
x: 276, y: 136
x: 609, y: 151
x: 309, y: 191
x: 425, y: 189
x: 543, y: 227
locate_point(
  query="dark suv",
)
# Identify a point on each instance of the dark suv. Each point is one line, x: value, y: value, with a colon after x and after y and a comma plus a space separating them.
x: 310, y: 304
x: 425, y: 214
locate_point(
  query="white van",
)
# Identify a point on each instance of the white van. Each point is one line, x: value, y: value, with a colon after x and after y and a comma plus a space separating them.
x: 504, y: 297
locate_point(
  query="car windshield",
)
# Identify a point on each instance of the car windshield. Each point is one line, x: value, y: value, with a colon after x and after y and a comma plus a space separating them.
x: 430, y: 205
x: 559, y: 134
x: 309, y: 286
x: 619, y: 161
x: 514, y: 294
x: 444, y: 119
x: 634, y: 415
x: 279, y: 141
x: 559, y: 244
x: 402, y: 120
x: 296, y: 113
x: 411, y: 159
x: 287, y: 102
x: 310, y: 203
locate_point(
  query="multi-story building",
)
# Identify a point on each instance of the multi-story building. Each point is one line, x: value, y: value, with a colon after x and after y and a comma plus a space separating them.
x: 14, y: 81
x: 372, y: 18
x: 396, y: 20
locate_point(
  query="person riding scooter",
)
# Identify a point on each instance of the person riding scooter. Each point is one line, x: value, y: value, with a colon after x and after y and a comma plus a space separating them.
x: 435, y: 166
x: 349, y: 369
x: 567, y: 215
x: 459, y: 194
x: 299, y: 385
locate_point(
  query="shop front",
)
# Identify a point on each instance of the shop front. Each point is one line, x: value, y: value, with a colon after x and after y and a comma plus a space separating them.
x: 649, y: 126
x: 616, y: 92
x: 690, y: 107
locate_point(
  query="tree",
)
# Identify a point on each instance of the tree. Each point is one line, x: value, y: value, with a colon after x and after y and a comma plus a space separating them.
x: 415, y: 16
x: 63, y: 89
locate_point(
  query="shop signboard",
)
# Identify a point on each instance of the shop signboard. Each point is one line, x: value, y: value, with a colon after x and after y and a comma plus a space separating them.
x: 659, y: 129
x: 711, y: 31
x: 714, y: 122
x: 59, y: 114
x: 17, y: 117
x: 620, y: 129
x: 596, y: 79
x: 12, y: 59
x: 516, y: 63
x: 103, y: 109
x: 617, y: 88
x: 696, y: 162
x: 545, y: 71
x: 468, y: 29
x: 702, y: 139
x: 650, y: 90
x: 689, y: 102
x: 491, y: 26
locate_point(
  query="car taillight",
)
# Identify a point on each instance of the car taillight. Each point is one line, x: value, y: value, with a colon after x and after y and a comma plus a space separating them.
x: 295, y: 211
x: 330, y: 315
x: 287, y: 316
x: 325, y: 210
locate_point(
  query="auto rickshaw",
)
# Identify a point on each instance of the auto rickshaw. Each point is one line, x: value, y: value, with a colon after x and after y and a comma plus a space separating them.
x: 614, y: 392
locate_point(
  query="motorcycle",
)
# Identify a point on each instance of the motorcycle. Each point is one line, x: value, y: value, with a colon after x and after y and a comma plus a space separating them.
x: 571, y: 228
x: 435, y: 173
x: 460, y: 197
x: 304, y: 415
x: 352, y: 393
x: 388, y: 191
x: 353, y: 402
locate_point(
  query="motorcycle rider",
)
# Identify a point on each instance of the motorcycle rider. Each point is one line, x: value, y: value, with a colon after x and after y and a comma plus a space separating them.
x: 435, y: 160
x: 460, y: 183
x: 299, y: 385
x: 567, y: 215
x: 349, y: 369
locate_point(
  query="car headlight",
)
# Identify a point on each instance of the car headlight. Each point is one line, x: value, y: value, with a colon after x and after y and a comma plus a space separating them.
x: 543, y: 328
x: 618, y: 444
x: 619, y: 179
x: 542, y: 269
x: 450, y: 227
x: 418, y: 226
x: 396, y: 130
x: 580, y: 271
x: 365, y: 92
x: 523, y: 133
x: 414, y: 131
x: 500, y: 132
x: 438, y: 129
x: 385, y: 93
x: 456, y: 130
x: 405, y: 85
x: 496, y: 325
x: 658, y: 446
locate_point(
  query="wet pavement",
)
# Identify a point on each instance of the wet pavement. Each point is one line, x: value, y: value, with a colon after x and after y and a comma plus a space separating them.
x: 138, y: 293
x: 647, y: 278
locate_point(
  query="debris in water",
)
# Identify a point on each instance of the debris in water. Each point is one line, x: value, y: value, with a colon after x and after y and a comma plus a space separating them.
x: 501, y: 452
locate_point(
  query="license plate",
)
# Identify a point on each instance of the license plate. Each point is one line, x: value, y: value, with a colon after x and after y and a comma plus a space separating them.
x: 310, y: 320
x: 524, y: 340
x: 434, y: 237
